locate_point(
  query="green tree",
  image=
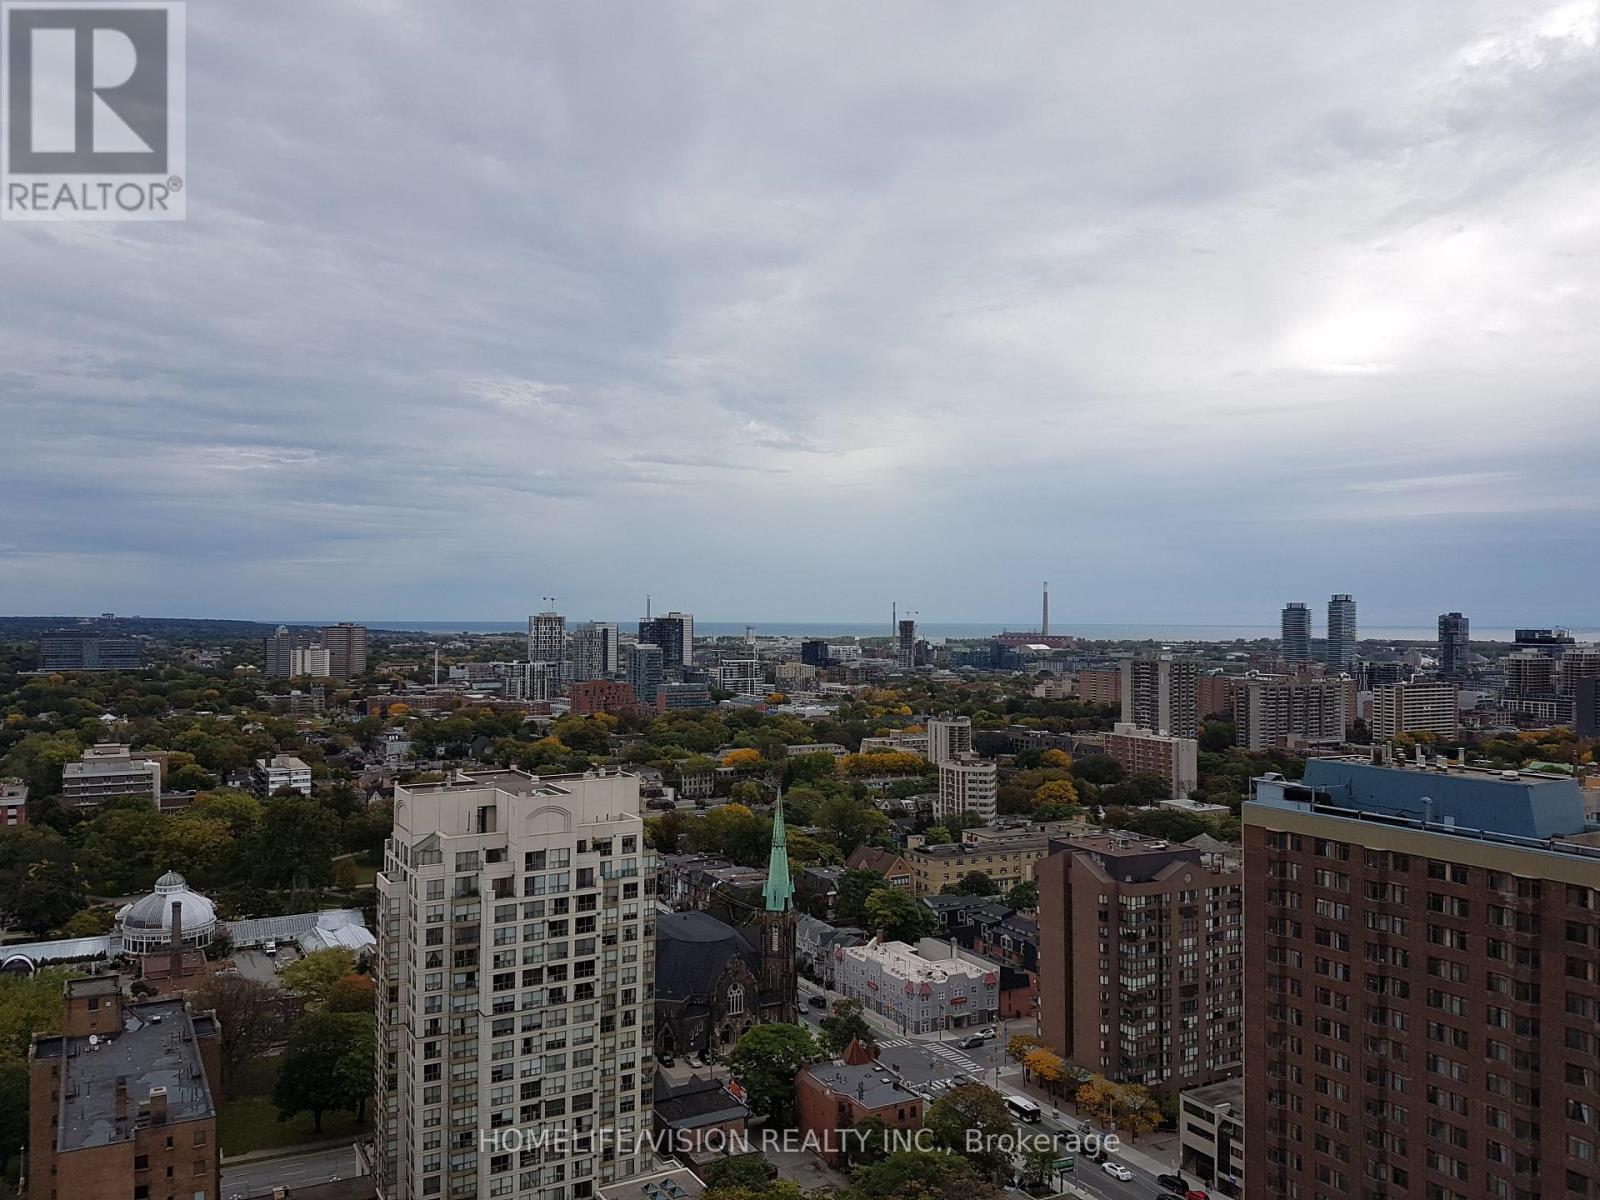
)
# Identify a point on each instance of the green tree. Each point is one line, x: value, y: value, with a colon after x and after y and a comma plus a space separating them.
x: 766, y: 1060
x: 1024, y: 896
x: 29, y: 1004
x: 295, y: 844
x: 921, y: 1175
x: 776, y: 1189
x: 45, y: 895
x: 972, y: 1120
x: 251, y: 1020
x: 847, y: 1022
x: 866, y: 1143
x: 326, y: 1067
x: 1098, y: 769
x: 855, y: 886
x: 898, y: 916
x: 313, y: 977
x: 1038, y: 1162
x: 973, y: 883
x: 850, y: 822
x: 741, y: 1171
x: 13, y: 1112
x: 353, y: 993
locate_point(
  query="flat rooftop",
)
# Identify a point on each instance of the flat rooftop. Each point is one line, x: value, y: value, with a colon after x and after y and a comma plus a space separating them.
x: 1523, y: 804
x: 156, y: 1049
x: 1224, y: 1091
x: 898, y: 1073
x: 903, y: 962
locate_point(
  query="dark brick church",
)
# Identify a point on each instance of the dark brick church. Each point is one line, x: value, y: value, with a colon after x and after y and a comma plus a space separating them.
x: 714, y: 980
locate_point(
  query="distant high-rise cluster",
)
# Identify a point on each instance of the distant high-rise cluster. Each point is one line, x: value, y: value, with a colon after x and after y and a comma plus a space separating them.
x: 547, y: 637
x: 906, y: 649
x: 674, y: 633
x: 1296, y: 632
x: 1454, y: 647
x: 1342, y: 632
x: 332, y: 652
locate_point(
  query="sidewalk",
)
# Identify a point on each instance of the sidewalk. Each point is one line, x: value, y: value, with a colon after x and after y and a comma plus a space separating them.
x: 1156, y: 1153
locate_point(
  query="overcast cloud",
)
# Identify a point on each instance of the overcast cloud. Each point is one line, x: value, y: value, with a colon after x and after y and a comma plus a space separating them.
x: 783, y: 311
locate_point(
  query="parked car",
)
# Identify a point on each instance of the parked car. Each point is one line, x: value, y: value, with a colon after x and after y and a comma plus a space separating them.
x: 817, y: 1001
x: 988, y: 1031
x: 1116, y: 1170
x: 665, y: 1058
x: 1174, y: 1182
x: 270, y: 949
x: 970, y: 1043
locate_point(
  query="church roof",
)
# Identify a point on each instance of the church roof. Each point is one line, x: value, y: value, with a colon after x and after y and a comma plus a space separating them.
x: 692, y: 951
x: 779, y: 891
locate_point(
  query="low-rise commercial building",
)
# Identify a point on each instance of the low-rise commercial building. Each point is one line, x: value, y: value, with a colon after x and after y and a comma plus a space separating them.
x: 1211, y: 1136
x: 931, y: 986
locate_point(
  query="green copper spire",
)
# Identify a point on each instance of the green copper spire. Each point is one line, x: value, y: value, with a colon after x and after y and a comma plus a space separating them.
x: 779, y: 890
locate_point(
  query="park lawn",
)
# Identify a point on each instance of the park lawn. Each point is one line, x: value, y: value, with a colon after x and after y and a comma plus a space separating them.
x: 365, y: 871
x: 250, y: 1120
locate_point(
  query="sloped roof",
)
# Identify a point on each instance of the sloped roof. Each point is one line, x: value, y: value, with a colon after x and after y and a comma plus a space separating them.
x: 692, y: 951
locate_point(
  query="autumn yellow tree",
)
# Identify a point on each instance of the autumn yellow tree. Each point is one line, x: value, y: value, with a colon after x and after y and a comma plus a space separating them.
x: 1057, y: 791
x: 1046, y: 1066
x: 1135, y: 1112
x: 1018, y: 1047
x: 1097, y: 1096
x: 1058, y: 759
x: 742, y: 759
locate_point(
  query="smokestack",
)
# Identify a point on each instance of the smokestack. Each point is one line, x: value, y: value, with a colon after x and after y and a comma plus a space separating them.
x: 121, y: 1102
x: 158, y: 1106
x: 1044, y: 620
x: 176, y: 969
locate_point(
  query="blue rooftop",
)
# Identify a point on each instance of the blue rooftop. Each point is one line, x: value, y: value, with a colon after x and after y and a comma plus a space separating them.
x: 1522, y: 805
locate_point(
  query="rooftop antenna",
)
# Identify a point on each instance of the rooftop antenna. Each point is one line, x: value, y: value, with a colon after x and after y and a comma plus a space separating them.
x: 549, y: 602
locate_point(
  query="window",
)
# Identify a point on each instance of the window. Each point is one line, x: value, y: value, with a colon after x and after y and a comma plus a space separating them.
x: 736, y: 1000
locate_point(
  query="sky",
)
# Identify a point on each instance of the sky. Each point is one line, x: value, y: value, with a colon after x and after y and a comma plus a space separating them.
x: 791, y: 311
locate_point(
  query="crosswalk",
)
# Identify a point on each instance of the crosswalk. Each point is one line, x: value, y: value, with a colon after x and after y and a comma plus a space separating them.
x: 962, y: 1064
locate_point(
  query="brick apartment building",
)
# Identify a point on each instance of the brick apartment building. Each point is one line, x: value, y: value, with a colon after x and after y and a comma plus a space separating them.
x: 1100, y: 687
x: 1422, y: 985
x: 1139, y: 961
x: 602, y: 696
x: 121, y: 1103
x: 1140, y: 752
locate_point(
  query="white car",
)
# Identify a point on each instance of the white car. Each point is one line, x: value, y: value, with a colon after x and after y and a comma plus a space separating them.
x: 986, y: 1032
x: 1117, y: 1171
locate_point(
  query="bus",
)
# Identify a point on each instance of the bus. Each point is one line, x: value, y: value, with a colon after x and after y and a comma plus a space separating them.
x: 1023, y: 1109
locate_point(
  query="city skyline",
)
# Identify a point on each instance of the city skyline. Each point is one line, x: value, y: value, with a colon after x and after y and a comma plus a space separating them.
x: 580, y: 278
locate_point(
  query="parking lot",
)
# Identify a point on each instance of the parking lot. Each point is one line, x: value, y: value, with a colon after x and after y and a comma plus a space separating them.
x: 256, y: 964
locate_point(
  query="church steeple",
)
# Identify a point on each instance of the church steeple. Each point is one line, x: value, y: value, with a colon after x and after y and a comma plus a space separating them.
x: 779, y: 891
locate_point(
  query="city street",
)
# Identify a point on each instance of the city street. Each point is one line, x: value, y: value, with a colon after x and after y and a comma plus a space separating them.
x: 989, y: 1064
x: 258, y: 1177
